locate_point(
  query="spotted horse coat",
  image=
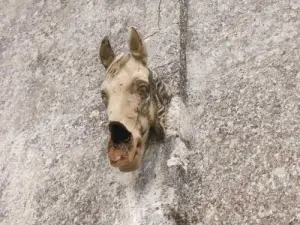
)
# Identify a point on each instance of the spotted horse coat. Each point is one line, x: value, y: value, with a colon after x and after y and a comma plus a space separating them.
x: 136, y: 100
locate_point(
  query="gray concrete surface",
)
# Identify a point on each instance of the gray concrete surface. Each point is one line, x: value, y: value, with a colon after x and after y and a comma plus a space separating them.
x: 232, y: 153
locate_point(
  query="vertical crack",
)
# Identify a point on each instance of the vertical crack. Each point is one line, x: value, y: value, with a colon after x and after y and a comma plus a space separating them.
x: 158, y: 16
x: 158, y: 21
x: 183, y: 24
x: 179, y: 174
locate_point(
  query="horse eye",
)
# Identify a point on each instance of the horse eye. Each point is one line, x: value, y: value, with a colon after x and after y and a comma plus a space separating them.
x: 143, y: 90
x: 104, y: 98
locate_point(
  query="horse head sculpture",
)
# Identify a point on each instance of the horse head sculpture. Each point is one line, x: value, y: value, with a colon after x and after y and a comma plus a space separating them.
x: 136, y: 100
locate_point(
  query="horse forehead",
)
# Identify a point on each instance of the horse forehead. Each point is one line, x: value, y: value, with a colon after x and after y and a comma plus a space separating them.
x: 130, y: 75
x: 131, y: 70
x: 127, y: 77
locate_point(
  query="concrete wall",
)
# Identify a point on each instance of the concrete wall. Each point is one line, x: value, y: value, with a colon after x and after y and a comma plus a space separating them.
x: 232, y: 152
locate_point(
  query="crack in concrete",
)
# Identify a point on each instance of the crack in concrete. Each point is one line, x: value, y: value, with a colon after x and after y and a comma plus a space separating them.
x: 151, y: 35
x: 158, y: 21
x: 178, y: 171
x: 158, y: 14
x: 183, y: 24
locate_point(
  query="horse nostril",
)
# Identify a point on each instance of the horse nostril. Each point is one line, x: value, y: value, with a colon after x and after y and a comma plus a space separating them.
x: 139, y: 143
x: 119, y: 133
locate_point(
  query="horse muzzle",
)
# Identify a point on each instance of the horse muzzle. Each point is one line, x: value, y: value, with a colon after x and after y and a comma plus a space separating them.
x: 125, y: 148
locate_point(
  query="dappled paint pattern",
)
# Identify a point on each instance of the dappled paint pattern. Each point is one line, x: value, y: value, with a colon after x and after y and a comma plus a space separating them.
x: 136, y: 100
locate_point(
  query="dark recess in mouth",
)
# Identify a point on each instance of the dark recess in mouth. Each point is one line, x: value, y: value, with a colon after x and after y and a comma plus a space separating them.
x: 119, y: 133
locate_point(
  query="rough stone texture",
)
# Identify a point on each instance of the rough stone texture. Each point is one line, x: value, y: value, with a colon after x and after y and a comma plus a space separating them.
x: 232, y: 152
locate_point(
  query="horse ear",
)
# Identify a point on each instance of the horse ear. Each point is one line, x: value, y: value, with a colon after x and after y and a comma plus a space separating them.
x: 137, y: 46
x: 106, y: 53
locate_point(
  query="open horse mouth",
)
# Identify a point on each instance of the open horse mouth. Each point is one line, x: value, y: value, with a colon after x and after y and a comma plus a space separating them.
x: 124, y: 150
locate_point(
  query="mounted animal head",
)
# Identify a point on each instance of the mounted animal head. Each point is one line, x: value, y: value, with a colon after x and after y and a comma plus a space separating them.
x: 136, y: 100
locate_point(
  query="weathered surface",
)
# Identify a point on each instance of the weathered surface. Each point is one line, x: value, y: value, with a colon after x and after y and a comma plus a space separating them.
x: 244, y: 90
x: 232, y: 153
